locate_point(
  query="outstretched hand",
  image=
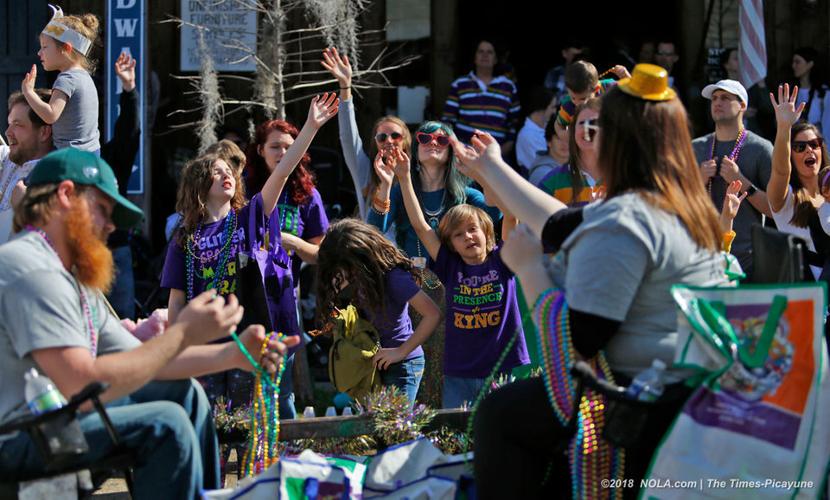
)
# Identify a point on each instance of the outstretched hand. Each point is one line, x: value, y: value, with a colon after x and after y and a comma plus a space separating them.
x: 338, y: 65
x: 483, y: 153
x: 786, y: 111
x: 385, y: 173
x: 322, y: 109
x: 732, y: 200
x: 28, y: 84
x: 125, y: 71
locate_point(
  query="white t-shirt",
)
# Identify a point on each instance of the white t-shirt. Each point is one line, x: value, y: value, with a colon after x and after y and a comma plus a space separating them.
x: 782, y: 222
x: 531, y: 140
x: 10, y: 174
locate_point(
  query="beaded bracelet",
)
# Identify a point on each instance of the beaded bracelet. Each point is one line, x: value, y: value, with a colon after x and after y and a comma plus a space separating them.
x: 375, y: 210
x: 385, y: 204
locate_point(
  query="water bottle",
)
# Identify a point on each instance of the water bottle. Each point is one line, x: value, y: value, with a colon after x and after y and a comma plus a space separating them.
x: 41, y: 394
x: 331, y: 412
x: 347, y: 411
x: 648, y: 384
x: 308, y: 412
x: 63, y: 437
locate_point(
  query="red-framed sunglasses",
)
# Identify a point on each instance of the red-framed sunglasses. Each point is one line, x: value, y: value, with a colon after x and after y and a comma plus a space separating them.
x: 801, y: 146
x: 382, y: 136
x: 425, y: 138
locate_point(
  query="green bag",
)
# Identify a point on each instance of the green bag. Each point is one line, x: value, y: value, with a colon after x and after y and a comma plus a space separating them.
x: 356, y: 341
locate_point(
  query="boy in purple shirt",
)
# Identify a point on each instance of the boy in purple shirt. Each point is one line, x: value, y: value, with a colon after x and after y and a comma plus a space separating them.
x: 483, y: 317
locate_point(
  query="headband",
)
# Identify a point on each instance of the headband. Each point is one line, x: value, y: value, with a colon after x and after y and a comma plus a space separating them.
x: 65, y: 34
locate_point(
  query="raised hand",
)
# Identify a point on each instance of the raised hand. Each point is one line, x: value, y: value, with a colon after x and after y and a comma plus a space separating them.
x: 400, y: 163
x: 732, y: 200
x: 484, y: 152
x: 125, y: 71
x: 28, y: 84
x: 384, y: 171
x: 322, y: 109
x: 338, y: 66
x: 522, y: 248
x: 786, y: 111
x: 620, y: 71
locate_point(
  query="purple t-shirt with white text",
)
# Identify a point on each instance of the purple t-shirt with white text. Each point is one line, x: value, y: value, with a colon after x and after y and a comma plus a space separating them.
x: 393, y: 324
x: 209, y: 248
x: 482, y: 315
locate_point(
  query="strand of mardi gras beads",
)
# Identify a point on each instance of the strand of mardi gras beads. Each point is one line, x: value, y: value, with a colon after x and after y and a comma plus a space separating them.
x: 263, y: 450
x: 190, y: 255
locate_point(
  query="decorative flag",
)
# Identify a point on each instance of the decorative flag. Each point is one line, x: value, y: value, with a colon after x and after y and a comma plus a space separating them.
x: 752, y: 48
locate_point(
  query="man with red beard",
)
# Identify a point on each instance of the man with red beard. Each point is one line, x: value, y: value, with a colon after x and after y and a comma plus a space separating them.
x: 30, y: 138
x: 53, y: 318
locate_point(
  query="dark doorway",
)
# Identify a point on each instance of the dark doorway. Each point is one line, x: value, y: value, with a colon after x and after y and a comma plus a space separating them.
x: 20, y: 25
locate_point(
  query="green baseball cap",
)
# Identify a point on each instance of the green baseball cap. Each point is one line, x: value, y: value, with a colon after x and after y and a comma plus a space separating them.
x: 83, y: 167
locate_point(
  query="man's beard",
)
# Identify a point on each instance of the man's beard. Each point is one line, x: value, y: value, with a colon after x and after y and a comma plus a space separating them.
x: 22, y: 154
x: 91, y: 258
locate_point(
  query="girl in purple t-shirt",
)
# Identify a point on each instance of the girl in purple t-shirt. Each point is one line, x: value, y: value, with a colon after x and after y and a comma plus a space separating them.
x: 482, y: 309
x: 222, y: 238
x: 357, y: 264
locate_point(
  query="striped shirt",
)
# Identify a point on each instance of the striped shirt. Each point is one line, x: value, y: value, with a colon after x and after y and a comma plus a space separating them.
x: 568, y: 108
x: 559, y: 184
x: 492, y: 108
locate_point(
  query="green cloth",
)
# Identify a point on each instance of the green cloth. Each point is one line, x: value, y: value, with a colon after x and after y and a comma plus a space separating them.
x: 350, y: 359
x: 531, y: 335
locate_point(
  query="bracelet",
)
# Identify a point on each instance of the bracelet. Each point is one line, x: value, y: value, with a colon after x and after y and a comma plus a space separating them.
x: 751, y: 190
x: 346, y: 88
x: 384, y: 204
x: 375, y: 210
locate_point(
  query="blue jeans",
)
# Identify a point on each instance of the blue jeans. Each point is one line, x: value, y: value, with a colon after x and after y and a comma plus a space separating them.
x: 406, y: 376
x: 287, y: 408
x: 122, y: 294
x: 166, y: 424
x: 457, y: 390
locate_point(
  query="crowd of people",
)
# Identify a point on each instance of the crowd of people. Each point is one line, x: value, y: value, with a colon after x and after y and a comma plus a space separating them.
x: 601, y: 199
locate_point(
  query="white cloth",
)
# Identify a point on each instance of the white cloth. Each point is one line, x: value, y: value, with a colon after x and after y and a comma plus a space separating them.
x: 10, y: 174
x: 782, y: 222
x: 530, y: 141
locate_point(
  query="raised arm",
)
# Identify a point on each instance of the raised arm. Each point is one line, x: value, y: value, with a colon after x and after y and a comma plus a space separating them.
x: 786, y: 114
x: 356, y: 159
x: 520, y: 198
x: 50, y: 111
x: 322, y: 109
x: 413, y: 209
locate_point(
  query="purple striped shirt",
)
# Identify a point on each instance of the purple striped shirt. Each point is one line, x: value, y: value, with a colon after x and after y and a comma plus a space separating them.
x: 492, y: 108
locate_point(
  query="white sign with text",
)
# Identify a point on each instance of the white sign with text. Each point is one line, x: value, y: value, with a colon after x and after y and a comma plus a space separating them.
x: 227, y: 25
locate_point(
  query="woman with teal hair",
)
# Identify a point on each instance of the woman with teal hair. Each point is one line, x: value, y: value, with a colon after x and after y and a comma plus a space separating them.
x: 438, y: 184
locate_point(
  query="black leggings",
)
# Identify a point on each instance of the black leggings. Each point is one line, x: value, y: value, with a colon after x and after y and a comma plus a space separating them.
x: 517, y: 437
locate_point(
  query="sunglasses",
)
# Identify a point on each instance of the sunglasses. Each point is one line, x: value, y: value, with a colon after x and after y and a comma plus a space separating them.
x: 425, y: 138
x: 801, y: 146
x: 395, y: 136
x: 589, y: 129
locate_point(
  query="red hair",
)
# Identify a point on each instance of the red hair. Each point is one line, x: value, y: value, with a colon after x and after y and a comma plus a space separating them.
x: 301, y: 181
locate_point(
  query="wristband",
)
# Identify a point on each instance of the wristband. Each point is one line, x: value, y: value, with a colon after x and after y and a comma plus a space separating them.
x: 751, y: 190
x: 346, y: 88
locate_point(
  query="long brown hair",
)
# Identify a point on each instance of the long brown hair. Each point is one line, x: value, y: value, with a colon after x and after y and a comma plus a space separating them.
x: 406, y: 145
x: 357, y: 252
x: 194, y: 186
x: 574, y: 156
x: 645, y: 147
x: 300, y: 183
x: 803, y: 207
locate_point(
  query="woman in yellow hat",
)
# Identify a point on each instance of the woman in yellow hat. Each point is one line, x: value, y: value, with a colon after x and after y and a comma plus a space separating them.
x: 604, y: 297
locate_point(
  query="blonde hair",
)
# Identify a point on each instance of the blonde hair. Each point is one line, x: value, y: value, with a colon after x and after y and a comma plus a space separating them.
x: 87, y: 25
x: 458, y: 215
x: 230, y: 152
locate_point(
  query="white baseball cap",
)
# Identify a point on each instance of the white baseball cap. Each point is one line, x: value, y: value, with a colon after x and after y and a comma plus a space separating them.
x: 734, y: 87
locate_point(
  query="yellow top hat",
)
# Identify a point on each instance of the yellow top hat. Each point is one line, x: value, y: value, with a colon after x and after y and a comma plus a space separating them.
x: 649, y: 82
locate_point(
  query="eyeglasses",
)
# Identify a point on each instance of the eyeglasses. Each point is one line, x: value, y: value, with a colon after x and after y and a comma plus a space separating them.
x: 589, y: 129
x: 801, y: 146
x: 425, y: 138
x: 395, y: 136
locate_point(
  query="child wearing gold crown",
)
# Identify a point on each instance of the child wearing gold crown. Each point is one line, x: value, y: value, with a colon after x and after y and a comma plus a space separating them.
x: 65, y: 45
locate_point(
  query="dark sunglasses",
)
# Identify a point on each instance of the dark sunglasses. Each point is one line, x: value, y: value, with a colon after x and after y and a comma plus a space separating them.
x: 425, y: 138
x: 589, y: 129
x: 801, y: 146
x: 381, y: 137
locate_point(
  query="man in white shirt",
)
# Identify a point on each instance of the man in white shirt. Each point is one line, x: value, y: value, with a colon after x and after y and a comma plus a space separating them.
x: 30, y: 139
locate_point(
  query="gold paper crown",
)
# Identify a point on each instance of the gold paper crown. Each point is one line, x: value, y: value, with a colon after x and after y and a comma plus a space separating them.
x: 65, y: 34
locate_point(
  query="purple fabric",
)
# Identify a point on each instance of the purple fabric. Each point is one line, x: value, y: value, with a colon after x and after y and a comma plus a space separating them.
x: 758, y: 419
x: 393, y: 324
x: 306, y: 221
x: 482, y: 315
x: 247, y: 246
